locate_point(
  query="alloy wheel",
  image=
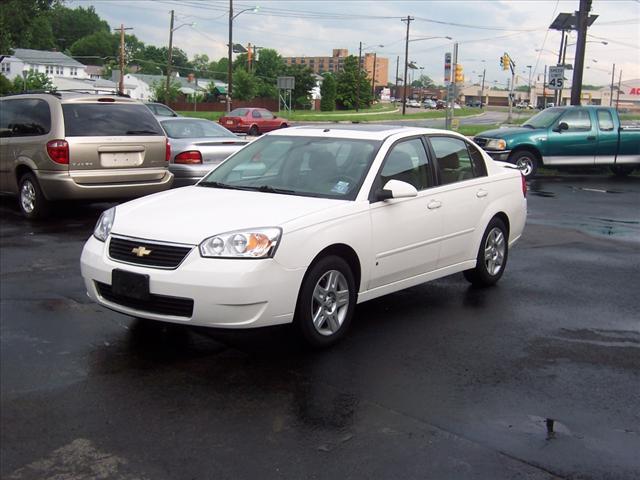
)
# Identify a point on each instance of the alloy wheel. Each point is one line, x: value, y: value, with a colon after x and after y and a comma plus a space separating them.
x: 330, y: 302
x: 494, y: 251
x: 27, y: 196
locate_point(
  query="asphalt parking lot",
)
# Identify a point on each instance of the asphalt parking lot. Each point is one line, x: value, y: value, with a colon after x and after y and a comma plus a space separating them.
x: 538, y: 377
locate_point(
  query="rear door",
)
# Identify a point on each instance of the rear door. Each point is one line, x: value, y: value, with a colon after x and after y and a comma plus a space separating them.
x: 607, y: 137
x: 108, y: 139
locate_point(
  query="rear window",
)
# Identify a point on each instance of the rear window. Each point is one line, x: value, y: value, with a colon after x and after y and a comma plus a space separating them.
x: 195, y: 129
x: 238, y: 112
x: 106, y: 119
x: 24, y: 117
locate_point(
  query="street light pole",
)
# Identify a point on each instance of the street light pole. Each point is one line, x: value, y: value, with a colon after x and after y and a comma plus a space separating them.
x: 169, y: 53
x: 484, y: 71
x: 230, y: 57
x: 613, y: 76
x: 583, y: 21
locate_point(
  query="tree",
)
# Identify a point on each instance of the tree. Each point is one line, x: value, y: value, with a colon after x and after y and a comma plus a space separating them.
x: 200, y: 65
x: 6, y: 87
x: 347, y: 85
x: 161, y: 94
x: 96, y: 48
x: 24, y: 24
x: 35, y: 81
x: 328, y: 92
x: 245, y: 86
x: 220, y: 69
x: 304, y: 82
x: 423, y: 82
x: 268, y: 67
x: 70, y: 25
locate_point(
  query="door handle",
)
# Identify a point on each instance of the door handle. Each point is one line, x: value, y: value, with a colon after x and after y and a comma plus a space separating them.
x: 481, y: 193
x: 591, y: 137
x: 433, y: 204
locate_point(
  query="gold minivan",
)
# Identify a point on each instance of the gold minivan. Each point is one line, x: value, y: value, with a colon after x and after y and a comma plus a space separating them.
x: 69, y: 145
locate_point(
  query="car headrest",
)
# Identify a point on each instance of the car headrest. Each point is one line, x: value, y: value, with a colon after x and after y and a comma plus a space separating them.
x: 450, y: 161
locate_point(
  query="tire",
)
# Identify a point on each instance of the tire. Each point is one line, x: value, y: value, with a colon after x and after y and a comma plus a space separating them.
x: 526, y: 161
x: 621, y: 170
x: 284, y: 125
x: 328, y: 294
x: 253, y: 131
x: 492, y: 255
x: 31, y: 200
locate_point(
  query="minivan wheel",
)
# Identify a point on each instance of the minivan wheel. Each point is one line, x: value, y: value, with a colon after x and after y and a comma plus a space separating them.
x: 32, y: 201
x: 492, y: 255
x: 326, y: 302
x: 526, y: 161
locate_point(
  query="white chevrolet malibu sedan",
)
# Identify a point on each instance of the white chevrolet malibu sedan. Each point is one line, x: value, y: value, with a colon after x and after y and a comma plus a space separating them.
x: 304, y: 223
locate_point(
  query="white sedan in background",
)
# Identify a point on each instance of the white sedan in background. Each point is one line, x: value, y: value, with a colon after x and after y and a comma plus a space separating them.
x: 304, y: 223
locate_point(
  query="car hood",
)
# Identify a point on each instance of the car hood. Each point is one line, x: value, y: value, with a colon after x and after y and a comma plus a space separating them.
x: 506, y: 132
x: 191, y: 214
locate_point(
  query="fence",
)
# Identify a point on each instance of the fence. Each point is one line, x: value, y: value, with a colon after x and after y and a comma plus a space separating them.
x: 268, y: 103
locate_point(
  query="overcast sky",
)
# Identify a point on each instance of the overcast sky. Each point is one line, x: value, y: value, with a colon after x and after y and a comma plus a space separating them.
x: 484, y: 29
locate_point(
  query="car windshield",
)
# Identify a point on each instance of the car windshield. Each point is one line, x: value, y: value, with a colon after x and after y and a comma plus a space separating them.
x: 544, y: 119
x: 195, y: 129
x: 306, y: 166
x: 238, y: 112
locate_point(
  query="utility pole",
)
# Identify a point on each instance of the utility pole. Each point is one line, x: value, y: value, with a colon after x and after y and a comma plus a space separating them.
x: 583, y: 19
x: 373, y: 79
x: 397, y: 78
x: 454, y: 69
x: 409, y: 19
x: 613, y: 76
x: 544, y: 88
x: 484, y: 71
x: 358, y: 77
x: 619, y: 86
x: 121, y: 83
x: 169, y: 58
x: 557, y: 96
x: 230, y: 58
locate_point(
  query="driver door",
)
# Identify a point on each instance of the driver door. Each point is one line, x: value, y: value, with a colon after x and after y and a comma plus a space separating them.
x: 575, y: 146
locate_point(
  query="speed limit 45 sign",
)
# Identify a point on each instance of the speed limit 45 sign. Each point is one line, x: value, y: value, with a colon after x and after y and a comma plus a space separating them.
x: 556, y: 78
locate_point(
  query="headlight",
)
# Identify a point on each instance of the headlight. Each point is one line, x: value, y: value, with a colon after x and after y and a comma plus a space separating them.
x: 253, y: 243
x: 496, y: 144
x: 105, y: 222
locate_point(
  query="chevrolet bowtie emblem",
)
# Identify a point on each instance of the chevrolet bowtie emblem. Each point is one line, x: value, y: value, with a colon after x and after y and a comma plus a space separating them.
x: 140, y: 251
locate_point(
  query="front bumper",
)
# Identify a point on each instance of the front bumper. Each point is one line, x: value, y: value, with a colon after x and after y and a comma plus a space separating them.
x: 226, y: 293
x: 499, y: 155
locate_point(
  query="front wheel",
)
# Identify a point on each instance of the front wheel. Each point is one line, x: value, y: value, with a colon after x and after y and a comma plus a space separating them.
x: 526, y: 161
x: 621, y: 170
x: 492, y: 255
x: 326, y: 302
x: 33, y: 203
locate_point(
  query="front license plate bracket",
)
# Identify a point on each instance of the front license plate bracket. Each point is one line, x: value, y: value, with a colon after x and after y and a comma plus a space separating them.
x: 130, y: 284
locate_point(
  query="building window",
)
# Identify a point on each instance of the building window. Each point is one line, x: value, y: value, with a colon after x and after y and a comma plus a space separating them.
x: 74, y: 71
x: 48, y: 69
x: 59, y: 69
x: 5, y: 67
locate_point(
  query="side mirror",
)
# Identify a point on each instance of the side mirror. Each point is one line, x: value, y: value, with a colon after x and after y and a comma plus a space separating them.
x: 396, y: 189
x: 561, y: 126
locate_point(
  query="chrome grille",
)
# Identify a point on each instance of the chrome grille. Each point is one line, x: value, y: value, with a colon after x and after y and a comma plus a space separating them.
x: 147, y: 253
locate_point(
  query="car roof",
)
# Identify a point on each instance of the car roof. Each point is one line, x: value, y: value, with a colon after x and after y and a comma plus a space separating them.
x: 164, y: 118
x: 75, y: 96
x: 364, y: 132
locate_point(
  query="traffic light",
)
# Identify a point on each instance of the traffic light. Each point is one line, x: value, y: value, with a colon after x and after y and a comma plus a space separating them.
x: 459, y: 75
x: 505, y: 61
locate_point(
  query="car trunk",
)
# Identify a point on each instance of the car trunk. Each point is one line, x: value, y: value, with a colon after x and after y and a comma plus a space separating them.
x: 215, y: 151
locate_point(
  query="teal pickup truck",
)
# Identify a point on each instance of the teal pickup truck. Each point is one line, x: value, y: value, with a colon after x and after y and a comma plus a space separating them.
x: 565, y: 136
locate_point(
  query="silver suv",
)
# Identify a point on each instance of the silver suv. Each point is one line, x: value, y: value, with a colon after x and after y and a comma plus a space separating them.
x: 63, y: 146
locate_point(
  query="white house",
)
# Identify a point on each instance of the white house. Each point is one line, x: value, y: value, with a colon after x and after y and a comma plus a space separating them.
x: 53, y: 64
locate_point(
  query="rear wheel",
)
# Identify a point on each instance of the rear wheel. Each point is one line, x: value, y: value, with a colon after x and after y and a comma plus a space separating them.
x: 326, y: 302
x: 253, y: 131
x: 32, y: 201
x: 526, y: 161
x: 284, y: 125
x: 621, y: 170
x: 492, y: 255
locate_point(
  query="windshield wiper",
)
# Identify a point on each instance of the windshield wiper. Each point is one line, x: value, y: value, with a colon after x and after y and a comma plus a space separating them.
x: 270, y: 189
x: 528, y: 125
x: 141, y: 132
x: 220, y: 185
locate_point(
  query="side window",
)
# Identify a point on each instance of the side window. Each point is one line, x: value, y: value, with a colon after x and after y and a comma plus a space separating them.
x: 605, y: 120
x: 408, y: 162
x: 256, y: 114
x: 455, y: 162
x: 25, y: 118
x: 578, y: 120
x: 266, y: 114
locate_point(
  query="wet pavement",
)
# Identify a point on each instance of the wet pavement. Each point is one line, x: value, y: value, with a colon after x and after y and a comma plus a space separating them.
x: 538, y: 377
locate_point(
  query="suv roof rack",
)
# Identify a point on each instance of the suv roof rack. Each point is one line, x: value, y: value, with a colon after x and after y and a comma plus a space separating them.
x: 58, y: 92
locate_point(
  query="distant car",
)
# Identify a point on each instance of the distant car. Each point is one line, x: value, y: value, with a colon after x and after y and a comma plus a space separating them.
x: 441, y: 104
x: 524, y: 105
x: 197, y: 146
x: 474, y: 103
x: 413, y: 103
x: 252, y: 121
x: 161, y: 110
x: 79, y: 146
x: 428, y: 103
